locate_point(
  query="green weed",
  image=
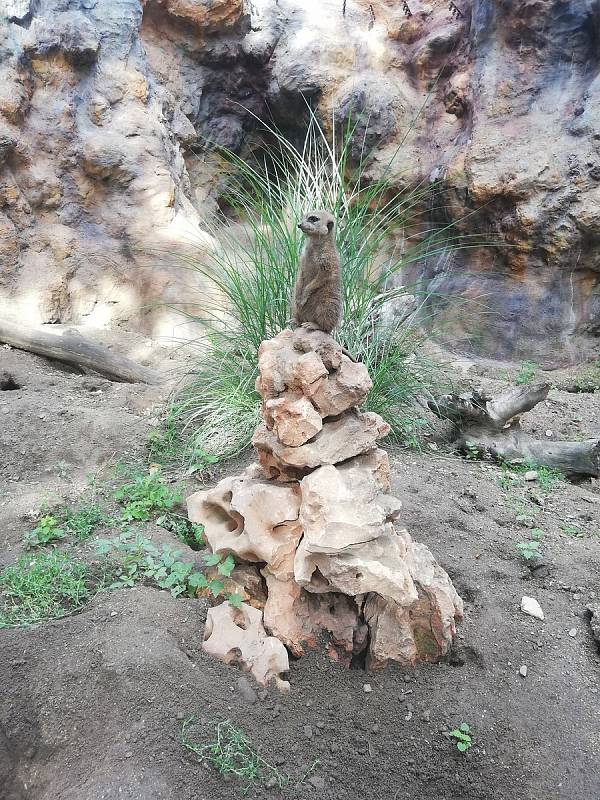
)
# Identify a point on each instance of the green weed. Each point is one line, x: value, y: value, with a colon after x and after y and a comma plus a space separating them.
x: 134, y: 558
x: 531, y: 548
x: 83, y: 523
x: 42, y: 587
x: 47, y: 531
x: 232, y: 753
x: 188, y: 532
x: 145, y: 496
x: 526, y: 373
x: 462, y: 737
x: 572, y: 530
x: 513, y: 472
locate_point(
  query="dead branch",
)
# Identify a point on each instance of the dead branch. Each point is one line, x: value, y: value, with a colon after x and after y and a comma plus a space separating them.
x: 491, y: 426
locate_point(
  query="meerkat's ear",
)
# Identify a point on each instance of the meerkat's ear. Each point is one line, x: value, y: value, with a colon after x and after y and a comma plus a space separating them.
x: 330, y: 225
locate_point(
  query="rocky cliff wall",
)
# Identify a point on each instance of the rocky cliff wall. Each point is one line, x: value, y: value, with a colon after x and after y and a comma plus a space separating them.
x: 102, y: 103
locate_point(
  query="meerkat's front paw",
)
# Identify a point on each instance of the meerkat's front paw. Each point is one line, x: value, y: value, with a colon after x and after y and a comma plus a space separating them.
x: 310, y: 326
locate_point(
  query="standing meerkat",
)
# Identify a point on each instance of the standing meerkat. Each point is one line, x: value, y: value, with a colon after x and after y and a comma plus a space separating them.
x: 318, y: 294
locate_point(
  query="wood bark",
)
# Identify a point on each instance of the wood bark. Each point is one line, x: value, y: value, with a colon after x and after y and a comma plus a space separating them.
x: 72, y: 348
x: 491, y: 426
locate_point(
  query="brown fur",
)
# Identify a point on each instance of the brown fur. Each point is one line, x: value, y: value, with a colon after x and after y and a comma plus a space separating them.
x: 318, y: 293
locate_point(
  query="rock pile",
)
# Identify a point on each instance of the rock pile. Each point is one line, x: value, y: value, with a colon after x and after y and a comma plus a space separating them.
x: 315, y: 516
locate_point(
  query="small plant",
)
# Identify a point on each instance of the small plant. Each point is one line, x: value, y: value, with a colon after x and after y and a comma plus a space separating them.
x: 531, y: 548
x: 569, y: 529
x: 145, y: 496
x: 462, y: 737
x: 231, y: 752
x: 46, y: 532
x: 472, y: 451
x: 42, y: 587
x: 513, y: 472
x: 189, y: 533
x: 136, y: 559
x: 166, y: 445
x: 526, y: 373
x: 83, y: 523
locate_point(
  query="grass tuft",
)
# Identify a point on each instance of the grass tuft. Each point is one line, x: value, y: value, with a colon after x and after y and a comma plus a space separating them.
x: 42, y: 587
x: 232, y: 753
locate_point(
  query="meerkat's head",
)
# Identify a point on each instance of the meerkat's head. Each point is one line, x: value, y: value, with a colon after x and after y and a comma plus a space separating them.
x: 317, y: 223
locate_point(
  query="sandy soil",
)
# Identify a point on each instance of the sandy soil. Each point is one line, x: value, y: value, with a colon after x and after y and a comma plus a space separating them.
x: 92, y: 704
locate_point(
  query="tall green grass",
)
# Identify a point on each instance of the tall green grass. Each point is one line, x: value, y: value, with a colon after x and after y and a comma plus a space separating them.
x: 251, y: 270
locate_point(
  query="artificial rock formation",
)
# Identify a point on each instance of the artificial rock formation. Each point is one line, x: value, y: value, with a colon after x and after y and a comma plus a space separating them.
x: 103, y: 106
x: 318, y: 519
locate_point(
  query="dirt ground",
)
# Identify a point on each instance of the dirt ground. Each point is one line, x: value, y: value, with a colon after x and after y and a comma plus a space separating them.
x: 92, y: 704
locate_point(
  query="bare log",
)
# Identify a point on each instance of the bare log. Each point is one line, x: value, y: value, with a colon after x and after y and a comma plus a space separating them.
x: 72, y: 348
x: 491, y: 426
x: 516, y: 401
x: 580, y: 458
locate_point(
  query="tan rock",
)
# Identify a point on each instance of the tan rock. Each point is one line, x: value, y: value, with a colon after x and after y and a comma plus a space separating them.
x: 236, y: 636
x: 347, y: 505
x: 346, y: 387
x: 295, y: 420
x: 422, y: 631
x: 340, y: 439
x: 374, y: 566
x: 253, y: 519
x: 311, y: 363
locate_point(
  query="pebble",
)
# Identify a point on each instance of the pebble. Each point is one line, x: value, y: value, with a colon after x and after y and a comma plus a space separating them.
x: 308, y: 731
x: 549, y: 433
x: 523, y: 671
x: 531, y: 475
x: 426, y: 715
x: 317, y: 781
x: 529, y: 605
x: 180, y: 715
x: 246, y: 690
x: 573, y: 632
x: 367, y: 688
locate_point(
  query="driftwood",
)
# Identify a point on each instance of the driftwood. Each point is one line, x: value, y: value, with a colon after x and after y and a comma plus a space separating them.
x: 72, y: 348
x: 491, y: 426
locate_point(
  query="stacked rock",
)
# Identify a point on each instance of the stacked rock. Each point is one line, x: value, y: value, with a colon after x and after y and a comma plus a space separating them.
x: 316, y: 517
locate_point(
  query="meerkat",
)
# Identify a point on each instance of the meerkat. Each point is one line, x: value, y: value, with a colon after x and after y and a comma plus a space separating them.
x: 318, y: 293
x: 318, y: 301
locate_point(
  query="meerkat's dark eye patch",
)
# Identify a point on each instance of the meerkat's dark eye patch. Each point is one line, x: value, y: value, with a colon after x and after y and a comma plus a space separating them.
x: 313, y: 219
x: 330, y: 225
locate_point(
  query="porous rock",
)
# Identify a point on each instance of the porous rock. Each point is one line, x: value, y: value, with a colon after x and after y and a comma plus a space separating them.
x: 237, y: 636
x: 254, y: 519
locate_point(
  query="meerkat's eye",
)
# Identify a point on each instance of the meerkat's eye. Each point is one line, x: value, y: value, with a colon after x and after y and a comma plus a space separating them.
x: 313, y: 219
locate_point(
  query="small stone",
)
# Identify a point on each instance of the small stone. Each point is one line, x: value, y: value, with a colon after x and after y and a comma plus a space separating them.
x: 531, y: 475
x: 271, y: 783
x: 246, y: 690
x: 426, y: 715
x: 367, y: 688
x: 573, y: 632
x: 308, y: 731
x: 375, y: 728
x: 317, y: 781
x: 180, y: 715
x: 529, y: 605
x: 523, y: 671
x: 113, y: 613
x: 549, y: 433
x: 407, y: 679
